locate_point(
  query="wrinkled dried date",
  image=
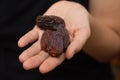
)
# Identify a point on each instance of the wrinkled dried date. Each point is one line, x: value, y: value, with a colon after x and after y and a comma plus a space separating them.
x: 52, y: 42
x: 55, y: 38
x: 49, y: 22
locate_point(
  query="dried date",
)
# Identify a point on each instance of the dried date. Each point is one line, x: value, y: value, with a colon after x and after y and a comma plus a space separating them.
x: 49, y: 22
x: 55, y: 38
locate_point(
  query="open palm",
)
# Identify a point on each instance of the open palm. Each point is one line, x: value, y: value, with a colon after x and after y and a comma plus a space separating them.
x: 77, y: 24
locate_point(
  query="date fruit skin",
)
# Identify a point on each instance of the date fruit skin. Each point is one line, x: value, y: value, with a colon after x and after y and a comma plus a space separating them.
x: 55, y: 38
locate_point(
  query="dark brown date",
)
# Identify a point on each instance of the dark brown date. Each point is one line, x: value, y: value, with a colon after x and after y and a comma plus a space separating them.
x: 49, y: 22
x: 55, y: 38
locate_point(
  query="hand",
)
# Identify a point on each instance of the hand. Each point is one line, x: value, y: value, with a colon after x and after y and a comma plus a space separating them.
x: 77, y: 24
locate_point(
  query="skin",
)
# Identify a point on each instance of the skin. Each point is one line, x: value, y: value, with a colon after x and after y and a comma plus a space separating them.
x: 97, y: 32
x: 104, y: 42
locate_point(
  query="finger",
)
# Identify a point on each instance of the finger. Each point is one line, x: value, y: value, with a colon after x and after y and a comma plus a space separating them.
x: 50, y: 63
x: 80, y: 37
x: 35, y: 61
x: 31, y: 51
x: 29, y: 37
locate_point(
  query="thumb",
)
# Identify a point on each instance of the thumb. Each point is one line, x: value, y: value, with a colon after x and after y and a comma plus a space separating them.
x: 79, y: 39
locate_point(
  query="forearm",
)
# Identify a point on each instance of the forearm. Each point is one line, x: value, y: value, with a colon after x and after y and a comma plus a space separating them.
x: 103, y: 43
